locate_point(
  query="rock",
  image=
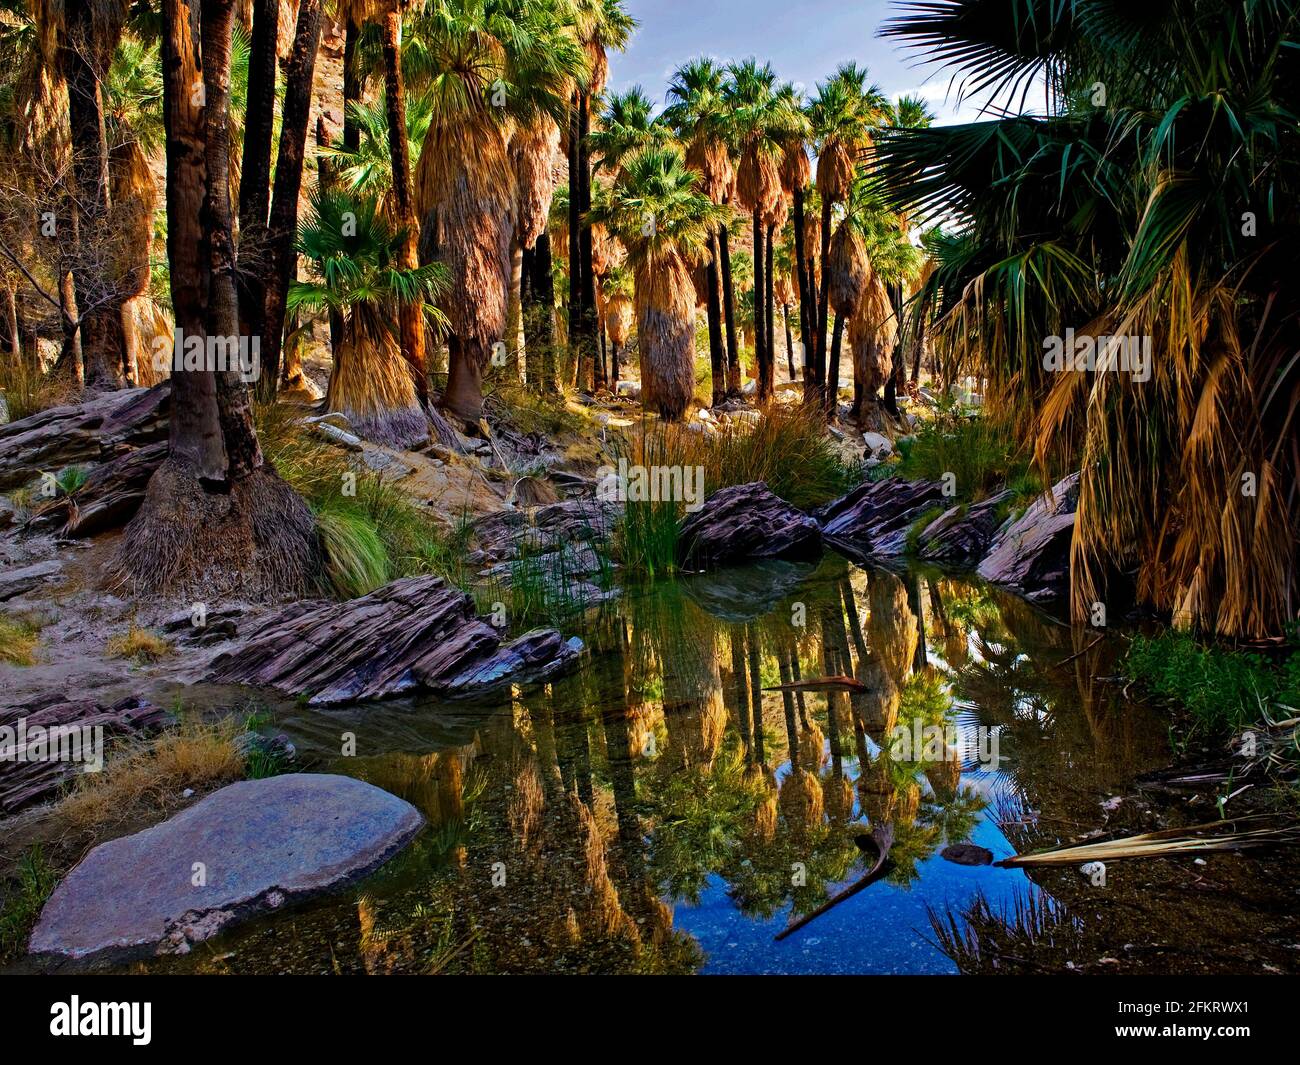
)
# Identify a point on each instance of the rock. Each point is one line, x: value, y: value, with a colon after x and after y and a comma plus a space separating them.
x: 875, y: 518
x: 878, y: 446
x: 508, y: 534
x: 16, y: 582
x: 744, y: 523
x: 217, y: 627
x: 262, y: 844
x: 961, y: 535
x: 384, y: 462
x: 967, y: 854
x: 94, y: 431
x: 109, y: 498
x: 1031, y: 554
x: 417, y: 634
x: 24, y: 783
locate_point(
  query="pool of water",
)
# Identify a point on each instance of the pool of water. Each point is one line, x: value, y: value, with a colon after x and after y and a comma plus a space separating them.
x: 661, y: 810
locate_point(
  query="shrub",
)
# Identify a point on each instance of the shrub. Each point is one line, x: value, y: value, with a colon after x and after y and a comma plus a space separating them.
x: 1221, y: 688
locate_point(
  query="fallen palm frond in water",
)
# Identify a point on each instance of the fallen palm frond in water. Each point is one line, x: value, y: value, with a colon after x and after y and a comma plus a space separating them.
x: 880, y: 840
x: 1256, y: 830
x: 821, y: 684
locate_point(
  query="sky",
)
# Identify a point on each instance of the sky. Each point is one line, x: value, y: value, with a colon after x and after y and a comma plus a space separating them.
x: 805, y: 40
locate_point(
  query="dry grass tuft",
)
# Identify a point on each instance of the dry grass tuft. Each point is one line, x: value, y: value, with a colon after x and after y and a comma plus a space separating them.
x: 139, y: 645
x: 18, y: 642
x: 196, y: 755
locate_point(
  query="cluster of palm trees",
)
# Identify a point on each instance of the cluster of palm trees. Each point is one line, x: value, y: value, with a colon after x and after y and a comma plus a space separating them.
x: 733, y: 138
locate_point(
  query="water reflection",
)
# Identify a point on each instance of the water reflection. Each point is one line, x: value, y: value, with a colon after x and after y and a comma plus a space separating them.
x: 662, y: 811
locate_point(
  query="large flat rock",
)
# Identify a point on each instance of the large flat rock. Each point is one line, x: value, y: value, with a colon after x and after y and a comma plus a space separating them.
x: 413, y: 635
x: 873, y: 520
x: 262, y: 844
x: 745, y: 523
x: 93, y: 431
x: 1031, y: 554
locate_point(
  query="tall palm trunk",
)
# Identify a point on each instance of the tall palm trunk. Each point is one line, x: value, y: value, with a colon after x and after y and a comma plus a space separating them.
x: 538, y: 300
x: 833, y: 372
x: 85, y: 50
x: 768, y: 384
x: 194, y: 432
x: 283, y: 229
x: 823, y: 308
x: 576, y: 289
x: 255, y: 166
x: 922, y: 330
x: 717, y: 354
x: 351, y: 84
x: 789, y: 340
x: 243, y: 454
x: 729, y: 314
x: 410, y: 314
x: 805, y: 297
x: 588, y: 274
x: 760, y: 307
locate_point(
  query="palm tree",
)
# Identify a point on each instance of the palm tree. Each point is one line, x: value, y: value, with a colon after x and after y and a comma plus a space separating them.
x: 697, y: 114
x: 1134, y: 214
x: 796, y: 175
x: 493, y: 63
x: 843, y: 115
x: 363, y: 274
x: 216, y: 519
x: 616, y: 296
x: 660, y: 214
x: 601, y: 25
x: 627, y: 124
x: 756, y: 126
x: 367, y: 170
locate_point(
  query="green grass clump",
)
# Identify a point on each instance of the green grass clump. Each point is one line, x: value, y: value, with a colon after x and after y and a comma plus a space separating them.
x: 24, y: 897
x: 1222, y: 689
x: 372, y: 531
x: 982, y: 455
x: 788, y: 449
x: 356, y: 561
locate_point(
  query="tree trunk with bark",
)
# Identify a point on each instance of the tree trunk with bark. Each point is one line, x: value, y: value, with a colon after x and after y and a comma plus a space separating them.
x: 717, y: 353
x: 828, y: 385
x: 805, y: 299
x: 84, y: 53
x: 833, y: 372
x: 768, y: 384
x: 410, y: 315
x: 760, y: 307
x: 255, y: 166
x: 215, y: 521
x: 729, y: 314
x: 282, y: 261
